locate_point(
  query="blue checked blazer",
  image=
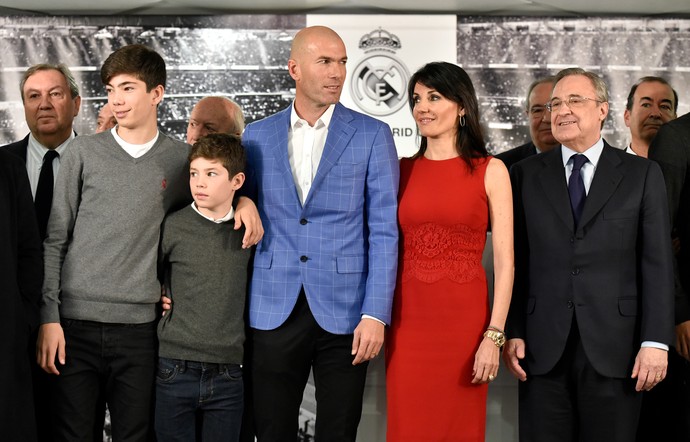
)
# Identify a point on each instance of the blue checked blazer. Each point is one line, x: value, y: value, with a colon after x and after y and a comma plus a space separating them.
x: 342, y: 244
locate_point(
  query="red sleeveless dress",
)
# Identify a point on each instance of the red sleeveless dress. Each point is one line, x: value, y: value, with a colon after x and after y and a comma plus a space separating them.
x: 441, y: 304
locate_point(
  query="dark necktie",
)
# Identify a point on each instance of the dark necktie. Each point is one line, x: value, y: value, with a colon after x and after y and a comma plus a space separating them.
x: 44, y: 192
x: 576, y: 187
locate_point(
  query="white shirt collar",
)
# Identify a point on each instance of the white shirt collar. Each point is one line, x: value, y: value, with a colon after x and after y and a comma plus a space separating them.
x: 228, y: 217
x: 593, y: 153
x: 324, y: 119
x: 38, y: 150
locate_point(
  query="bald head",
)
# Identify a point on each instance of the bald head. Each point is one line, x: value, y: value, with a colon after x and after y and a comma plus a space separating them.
x: 317, y: 64
x: 106, y: 120
x: 307, y: 37
x: 214, y: 115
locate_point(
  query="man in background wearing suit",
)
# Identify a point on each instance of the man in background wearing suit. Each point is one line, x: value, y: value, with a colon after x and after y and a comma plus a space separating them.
x: 51, y: 102
x: 671, y: 149
x: 324, y: 273
x: 542, y: 139
x: 592, y: 311
x: 651, y: 103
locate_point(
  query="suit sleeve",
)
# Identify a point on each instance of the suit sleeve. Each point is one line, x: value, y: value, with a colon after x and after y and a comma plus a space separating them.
x: 656, y: 259
x: 63, y: 214
x: 381, y: 207
x: 515, y: 323
x: 29, y: 254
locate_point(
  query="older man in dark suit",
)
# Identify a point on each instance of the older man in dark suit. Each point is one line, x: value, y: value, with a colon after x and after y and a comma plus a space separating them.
x: 592, y: 312
x: 51, y: 102
x: 541, y: 138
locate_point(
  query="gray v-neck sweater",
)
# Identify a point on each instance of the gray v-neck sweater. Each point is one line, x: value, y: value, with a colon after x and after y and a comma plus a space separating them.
x: 104, y: 228
x: 206, y: 269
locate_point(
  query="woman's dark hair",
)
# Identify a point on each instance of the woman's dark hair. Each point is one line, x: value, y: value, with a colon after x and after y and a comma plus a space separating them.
x: 453, y: 83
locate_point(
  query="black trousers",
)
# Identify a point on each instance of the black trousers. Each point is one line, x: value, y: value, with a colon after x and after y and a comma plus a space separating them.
x: 112, y: 361
x: 575, y: 403
x: 282, y: 359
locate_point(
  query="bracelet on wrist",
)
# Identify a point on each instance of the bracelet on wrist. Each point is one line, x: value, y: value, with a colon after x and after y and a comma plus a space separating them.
x: 497, y: 337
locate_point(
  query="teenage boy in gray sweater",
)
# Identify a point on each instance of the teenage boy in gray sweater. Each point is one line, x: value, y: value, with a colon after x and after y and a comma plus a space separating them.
x: 101, y: 288
x: 199, y: 387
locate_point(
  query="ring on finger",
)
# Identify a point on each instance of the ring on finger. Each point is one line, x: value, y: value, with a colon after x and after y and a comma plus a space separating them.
x: 491, y: 377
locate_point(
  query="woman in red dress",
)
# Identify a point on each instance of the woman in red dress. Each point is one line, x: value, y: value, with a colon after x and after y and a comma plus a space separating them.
x: 444, y: 341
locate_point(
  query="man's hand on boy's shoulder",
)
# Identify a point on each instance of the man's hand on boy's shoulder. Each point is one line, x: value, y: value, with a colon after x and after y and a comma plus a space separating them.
x: 166, y: 304
x: 246, y: 213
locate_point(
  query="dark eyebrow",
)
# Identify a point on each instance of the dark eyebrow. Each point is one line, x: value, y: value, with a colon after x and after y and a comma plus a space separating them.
x: 665, y: 100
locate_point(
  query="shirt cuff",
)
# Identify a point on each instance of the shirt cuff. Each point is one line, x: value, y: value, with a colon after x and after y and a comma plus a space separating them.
x: 652, y: 344
x: 371, y: 317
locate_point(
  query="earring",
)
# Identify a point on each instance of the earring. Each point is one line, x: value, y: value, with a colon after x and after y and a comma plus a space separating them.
x: 462, y: 121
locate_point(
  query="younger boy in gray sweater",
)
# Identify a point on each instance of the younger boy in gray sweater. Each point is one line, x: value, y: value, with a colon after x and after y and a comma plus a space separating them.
x: 199, y: 387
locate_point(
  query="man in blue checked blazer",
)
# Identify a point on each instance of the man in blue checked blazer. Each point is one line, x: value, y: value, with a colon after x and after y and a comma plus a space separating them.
x: 325, y: 180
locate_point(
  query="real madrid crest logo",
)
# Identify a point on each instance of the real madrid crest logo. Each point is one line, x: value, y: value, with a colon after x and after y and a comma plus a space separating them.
x: 379, y: 83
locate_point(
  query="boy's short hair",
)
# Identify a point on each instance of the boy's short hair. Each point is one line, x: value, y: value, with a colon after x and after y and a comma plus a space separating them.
x: 138, y: 60
x: 225, y: 148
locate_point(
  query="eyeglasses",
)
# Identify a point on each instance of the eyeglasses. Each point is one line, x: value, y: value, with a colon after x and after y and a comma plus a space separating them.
x: 573, y: 102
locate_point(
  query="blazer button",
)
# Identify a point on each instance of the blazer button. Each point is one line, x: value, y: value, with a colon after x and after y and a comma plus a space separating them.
x: 303, y: 258
x: 570, y: 304
x: 303, y: 222
x: 575, y: 272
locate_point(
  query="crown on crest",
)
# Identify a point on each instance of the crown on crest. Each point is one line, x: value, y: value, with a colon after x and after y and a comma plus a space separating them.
x: 379, y: 38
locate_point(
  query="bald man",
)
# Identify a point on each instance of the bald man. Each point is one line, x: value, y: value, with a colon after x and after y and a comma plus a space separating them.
x: 324, y: 273
x: 106, y: 120
x: 214, y: 115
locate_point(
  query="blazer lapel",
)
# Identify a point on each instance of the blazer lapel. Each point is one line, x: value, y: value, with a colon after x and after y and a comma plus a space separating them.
x: 605, y: 181
x: 280, y: 150
x: 552, y: 179
x: 339, y: 135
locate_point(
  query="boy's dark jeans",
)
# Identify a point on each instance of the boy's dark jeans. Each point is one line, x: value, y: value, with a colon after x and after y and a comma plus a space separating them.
x: 198, y: 399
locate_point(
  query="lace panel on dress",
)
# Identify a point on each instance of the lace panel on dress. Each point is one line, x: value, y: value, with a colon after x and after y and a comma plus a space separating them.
x: 434, y: 252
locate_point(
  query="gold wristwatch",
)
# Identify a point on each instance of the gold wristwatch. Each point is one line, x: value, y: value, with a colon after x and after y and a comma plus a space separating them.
x: 496, y: 336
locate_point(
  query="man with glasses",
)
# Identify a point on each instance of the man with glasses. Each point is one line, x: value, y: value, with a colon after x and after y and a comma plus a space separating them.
x: 541, y: 138
x: 592, y: 311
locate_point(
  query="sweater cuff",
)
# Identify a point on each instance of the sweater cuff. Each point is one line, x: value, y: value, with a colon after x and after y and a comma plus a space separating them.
x: 50, y: 312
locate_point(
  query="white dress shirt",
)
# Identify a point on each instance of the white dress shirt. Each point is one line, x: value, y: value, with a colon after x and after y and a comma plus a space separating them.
x: 35, y: 152
x: 305, y: 148
x: 593, y: 154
